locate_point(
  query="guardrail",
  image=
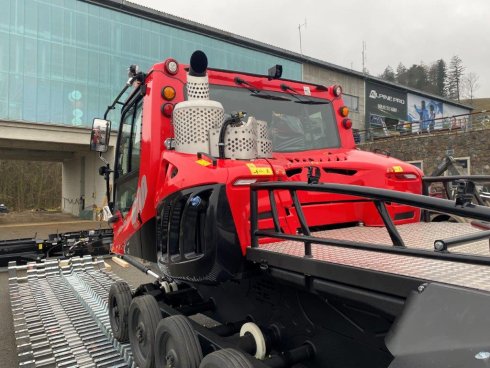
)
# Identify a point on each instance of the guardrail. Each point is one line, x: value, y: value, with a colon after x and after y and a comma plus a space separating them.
x: 379, y: 197
x: 465, y: 122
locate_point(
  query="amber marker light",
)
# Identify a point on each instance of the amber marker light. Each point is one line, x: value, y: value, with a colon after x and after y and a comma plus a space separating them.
x: 168, y: 93
x: 344, y: 111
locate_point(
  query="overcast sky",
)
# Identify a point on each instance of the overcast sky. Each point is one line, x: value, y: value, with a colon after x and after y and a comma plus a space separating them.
x: 407, y: 31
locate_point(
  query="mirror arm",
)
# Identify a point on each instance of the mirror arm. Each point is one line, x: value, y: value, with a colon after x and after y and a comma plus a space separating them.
x: 107, y: 174
x: 103, y: 159
x: 116, y: 100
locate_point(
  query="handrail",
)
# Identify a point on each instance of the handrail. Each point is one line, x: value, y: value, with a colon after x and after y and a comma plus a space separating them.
x: 436, y: 179
x: 379, y: 197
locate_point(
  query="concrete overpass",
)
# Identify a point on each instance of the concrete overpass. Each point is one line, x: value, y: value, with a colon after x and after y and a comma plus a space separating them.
x: 82, y: 187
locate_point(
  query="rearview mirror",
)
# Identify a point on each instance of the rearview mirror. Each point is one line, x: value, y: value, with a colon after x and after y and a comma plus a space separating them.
x: 99, y: 139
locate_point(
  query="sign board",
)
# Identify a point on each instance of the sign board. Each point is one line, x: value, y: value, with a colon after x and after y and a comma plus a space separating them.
x: 385, y: 101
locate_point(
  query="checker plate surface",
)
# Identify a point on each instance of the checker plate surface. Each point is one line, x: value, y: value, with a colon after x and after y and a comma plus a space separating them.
x: 419, y: 235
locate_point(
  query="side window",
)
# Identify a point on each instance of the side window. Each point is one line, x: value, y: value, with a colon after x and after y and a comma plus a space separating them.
x: 123, y: 166
x: 128, y: 158
x: 136, y: 140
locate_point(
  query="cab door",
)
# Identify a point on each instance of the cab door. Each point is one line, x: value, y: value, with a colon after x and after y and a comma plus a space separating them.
x: 126, y: 175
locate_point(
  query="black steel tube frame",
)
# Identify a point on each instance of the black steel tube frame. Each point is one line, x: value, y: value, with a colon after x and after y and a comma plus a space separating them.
x: 445, y: 180
x: 379, y: 197
x: 445, y: 244
x: 436, y: 179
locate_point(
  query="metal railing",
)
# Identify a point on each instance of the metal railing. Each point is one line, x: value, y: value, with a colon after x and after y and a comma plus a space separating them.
x: 379, y: 197
x: 464, y: 123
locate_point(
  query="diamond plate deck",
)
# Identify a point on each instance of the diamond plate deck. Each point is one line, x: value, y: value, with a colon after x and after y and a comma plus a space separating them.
x: 419, y: 235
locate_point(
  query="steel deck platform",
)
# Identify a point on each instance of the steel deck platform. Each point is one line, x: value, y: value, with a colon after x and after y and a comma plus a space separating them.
x: 61, y: 316
x: 418, y: 235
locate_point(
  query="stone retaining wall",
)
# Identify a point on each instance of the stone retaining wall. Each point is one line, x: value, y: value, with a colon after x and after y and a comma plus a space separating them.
x: 431, y: 148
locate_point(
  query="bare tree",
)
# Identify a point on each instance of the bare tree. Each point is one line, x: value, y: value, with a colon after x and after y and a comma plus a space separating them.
x: 470, y: 85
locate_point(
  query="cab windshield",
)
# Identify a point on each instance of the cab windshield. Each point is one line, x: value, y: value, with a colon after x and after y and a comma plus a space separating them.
x: 296, y: 123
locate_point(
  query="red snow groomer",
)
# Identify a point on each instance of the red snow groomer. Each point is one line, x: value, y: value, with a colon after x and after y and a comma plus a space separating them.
x: 249, y: 201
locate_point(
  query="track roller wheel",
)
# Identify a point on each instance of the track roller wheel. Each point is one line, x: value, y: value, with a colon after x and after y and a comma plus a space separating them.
x: 144, y: 315
x: 176, y: 344
x: 119, y: 302
x: 229, y: 358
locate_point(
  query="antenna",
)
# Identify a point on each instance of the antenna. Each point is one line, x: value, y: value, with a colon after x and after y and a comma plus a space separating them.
x: 364, y: 57
x: 299, y: 30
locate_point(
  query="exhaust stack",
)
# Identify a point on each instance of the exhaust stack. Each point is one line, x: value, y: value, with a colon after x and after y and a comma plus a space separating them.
x: 194, y: 118
x: 197, y: 121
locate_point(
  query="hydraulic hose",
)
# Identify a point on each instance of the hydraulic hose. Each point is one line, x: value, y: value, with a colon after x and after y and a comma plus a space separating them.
x: 234, y: 119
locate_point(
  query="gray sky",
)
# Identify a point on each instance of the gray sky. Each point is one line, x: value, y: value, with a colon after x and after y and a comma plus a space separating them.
x: 394, y: 30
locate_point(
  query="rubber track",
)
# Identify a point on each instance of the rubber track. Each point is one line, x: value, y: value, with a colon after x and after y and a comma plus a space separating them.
x: 61, y: 316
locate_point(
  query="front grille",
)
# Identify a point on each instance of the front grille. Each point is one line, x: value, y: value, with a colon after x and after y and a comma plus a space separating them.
x: 182, y: 226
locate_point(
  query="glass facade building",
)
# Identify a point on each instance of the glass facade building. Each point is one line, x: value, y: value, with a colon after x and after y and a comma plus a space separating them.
x: 64, y: 61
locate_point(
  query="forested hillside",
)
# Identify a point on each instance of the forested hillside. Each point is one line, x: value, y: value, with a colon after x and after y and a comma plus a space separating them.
x: 438, y: 77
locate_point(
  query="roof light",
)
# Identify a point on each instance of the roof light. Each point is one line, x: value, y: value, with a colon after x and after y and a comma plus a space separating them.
x: 344, y: 111
x: 167, y: 109
x: 275, y: 72
x: 337, y: 90
x: 171, y: 66
x: 347, y: 123
x: 168, y: 93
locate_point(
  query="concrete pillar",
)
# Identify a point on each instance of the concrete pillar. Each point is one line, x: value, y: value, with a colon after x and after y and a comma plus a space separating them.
x: 83, y: 190
x: 70, y: 186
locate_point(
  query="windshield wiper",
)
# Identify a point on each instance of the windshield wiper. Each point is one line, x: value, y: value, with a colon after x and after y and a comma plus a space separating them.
x: 304, y: 100
x: 270, y: 97
x: 257, y: 92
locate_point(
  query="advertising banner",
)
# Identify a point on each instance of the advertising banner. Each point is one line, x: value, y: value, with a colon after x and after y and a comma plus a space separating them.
x: 421, y: 112
x: 384, y: 101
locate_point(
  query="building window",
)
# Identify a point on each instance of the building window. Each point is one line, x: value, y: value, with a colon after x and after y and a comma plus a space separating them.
x: 418, y: 164
x: 352, y: 102
x: 461, y: 167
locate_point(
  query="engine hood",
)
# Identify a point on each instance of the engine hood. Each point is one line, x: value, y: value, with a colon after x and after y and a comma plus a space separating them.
x: 354, y: 167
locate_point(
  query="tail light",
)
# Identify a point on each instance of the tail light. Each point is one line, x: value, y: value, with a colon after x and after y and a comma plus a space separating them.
x: 402, y: 176
x: 347, y: 123
x: 167, y: 109
x: 406, y: 176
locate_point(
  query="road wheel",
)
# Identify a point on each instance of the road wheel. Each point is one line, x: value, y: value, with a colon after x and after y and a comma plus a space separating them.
x: 119, y: 302
x: 176, y: 344
x: 144, y: 315
x: 229, y: 358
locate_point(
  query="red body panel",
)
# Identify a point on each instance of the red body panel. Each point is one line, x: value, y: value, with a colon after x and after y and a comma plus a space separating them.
x: 346, y: 165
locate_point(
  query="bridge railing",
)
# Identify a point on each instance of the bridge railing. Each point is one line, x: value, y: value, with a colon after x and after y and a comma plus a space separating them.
x: 464, y: 122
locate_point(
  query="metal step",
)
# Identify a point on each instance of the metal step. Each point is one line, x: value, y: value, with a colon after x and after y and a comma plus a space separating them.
x: 61, y: 316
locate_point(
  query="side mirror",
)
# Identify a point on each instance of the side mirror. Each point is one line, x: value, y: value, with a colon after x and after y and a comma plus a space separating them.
x: 99, y: 138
